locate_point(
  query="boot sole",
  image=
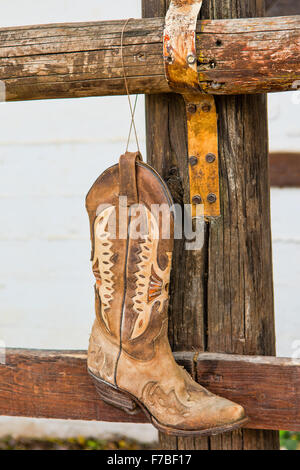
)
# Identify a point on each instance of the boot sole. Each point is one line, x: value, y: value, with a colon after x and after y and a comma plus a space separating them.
x: 125, y: 401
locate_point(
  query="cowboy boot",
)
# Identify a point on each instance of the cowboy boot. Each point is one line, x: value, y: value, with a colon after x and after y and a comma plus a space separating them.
x: 129, y: 355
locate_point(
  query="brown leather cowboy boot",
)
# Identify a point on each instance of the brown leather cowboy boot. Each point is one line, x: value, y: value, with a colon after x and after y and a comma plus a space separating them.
x: 129, y: 354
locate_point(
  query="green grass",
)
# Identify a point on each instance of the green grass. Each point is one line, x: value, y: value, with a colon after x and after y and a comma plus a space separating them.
x: 78, y: 443
x: 290, y: 440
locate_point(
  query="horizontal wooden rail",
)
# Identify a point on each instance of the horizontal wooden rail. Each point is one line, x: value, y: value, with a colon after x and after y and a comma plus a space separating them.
x: 285, y: 169
x: 84, y: 59
x: 268, y: 387
x: 55, y: 384
x: 282, y: 7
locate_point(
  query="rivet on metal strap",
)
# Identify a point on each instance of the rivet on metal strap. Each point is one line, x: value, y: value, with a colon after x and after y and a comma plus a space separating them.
x: 193, y: 161
x: 197, y: 200
x: 192, y: 108
x: 211, y: 198
x: 210, y: 158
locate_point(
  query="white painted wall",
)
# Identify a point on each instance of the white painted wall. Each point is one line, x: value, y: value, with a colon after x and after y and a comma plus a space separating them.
x: 284, y: 124
x: 50, y: 154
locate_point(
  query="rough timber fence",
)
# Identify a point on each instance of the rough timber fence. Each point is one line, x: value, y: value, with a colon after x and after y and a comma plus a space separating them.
x: 235, y: 56
x: 55, y: 384
x: 222, y: 295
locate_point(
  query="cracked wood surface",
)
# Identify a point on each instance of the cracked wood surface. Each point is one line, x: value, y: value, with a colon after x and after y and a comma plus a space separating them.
x: 221, y: 297
x: 282, y: 7
x: 83, y: 59
x: 55, y: 384
x: 285, y: 169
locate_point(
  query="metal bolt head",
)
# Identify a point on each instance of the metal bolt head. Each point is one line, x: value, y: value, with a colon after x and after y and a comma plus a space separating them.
x: 197, y: 200
x: 192, y: 108
x: 206, y: 107
x: 212, y: 198
x: 193, y: 161
x: 173, y: 170
x: 210, y: 158
x: 191, y: 59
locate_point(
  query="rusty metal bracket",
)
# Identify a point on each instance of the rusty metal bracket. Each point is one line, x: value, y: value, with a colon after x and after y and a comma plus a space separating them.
x: 202, y: 125
x: 180, y: 58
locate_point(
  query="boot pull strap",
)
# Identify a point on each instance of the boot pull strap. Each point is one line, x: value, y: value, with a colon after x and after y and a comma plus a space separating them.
x: 127, y: 172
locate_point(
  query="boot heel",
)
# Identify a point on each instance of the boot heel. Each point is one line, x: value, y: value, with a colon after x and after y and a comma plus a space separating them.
x: 112, y: 396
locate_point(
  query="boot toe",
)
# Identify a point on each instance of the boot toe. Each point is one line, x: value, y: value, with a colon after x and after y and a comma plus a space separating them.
x: 231, y: 413
x: 224, y: 412
x: 218, y: 412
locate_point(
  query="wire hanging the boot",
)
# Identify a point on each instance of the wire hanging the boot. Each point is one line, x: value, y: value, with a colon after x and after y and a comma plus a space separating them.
x: 132, y: 109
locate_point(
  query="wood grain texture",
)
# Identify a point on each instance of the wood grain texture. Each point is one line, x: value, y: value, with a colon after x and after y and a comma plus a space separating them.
x: 84, y: 59
x: 260, y: 384
x: 81, y: 59
x: 166, y: 130
x: 55, y: 384
x: 285, y: 170
x: 282, y: 7
x: 246, y: 55
x: 240, y: 305
x: 221, y: 296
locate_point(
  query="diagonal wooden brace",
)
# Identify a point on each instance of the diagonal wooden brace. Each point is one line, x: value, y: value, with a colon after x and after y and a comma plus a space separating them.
x: 180, y: 59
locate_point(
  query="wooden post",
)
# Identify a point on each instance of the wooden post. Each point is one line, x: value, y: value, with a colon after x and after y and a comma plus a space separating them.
x: 222, y: 296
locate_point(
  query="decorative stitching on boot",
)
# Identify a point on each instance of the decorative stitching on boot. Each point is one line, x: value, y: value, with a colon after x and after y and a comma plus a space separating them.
x: 153, y: 395
x: 152, y: 282
x: 103, y: 262
x: 100, y: 362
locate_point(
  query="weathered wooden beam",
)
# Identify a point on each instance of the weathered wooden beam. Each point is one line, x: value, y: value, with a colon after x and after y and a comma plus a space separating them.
x: 285, y: 169
x: 268, y: 387
x: 167, y: 152
x: 55, y: 384
x: 254, y: 55
x: 222, y: 295
x: 240, y: 308
x: 83, y: 59
x: 282, y: 7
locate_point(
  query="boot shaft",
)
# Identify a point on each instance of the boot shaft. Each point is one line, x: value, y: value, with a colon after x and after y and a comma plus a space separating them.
x: 132, y: 242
